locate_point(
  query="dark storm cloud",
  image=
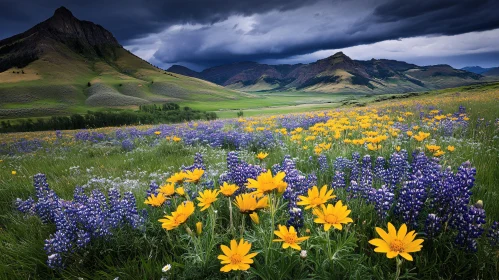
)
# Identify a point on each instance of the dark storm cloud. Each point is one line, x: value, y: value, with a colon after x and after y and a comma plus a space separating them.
x: 129, y: 19
x: 447, y: 17
x: 338, y: 24
x: 211, y: 32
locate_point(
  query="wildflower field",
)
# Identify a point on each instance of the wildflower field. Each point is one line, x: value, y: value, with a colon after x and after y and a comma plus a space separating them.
x: 399, y: 189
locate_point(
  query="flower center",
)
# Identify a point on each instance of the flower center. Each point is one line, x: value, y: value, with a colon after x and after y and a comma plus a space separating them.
x: 290, y: 238
x: 236, y: 259
x: 331, y: 219
x: 396, y: 245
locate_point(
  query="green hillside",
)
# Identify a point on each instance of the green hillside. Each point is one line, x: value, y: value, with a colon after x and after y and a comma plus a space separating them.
x: 62, y: 82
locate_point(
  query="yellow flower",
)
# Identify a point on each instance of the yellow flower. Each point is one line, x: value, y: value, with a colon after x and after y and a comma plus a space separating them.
x: 262, y: 156
x: 228, y: 189
x: 157, y: 132
x: 236, y: 257
x: 451, y: 148
x: 199, y: 228
x: 14, y: 172
x: 332, y: 215
x: 194, y: 176
x: 289, y: 237
x: 421, y: 136
x: 373, y: 147
x: 433, y: 148
x: 316, y: 198
x: 265, y: 183
x: 176, y: 139
x: 178, y: 217
x: 248, y: 203
x: 439, y: 153
x: 180, y: 191
x: 167, y: 189
x: 206, y: 198
x: 177, y: 178
x: 254, y: 217
x: 394, y: 244
x: 155, y: 200
x: 409, y: 133
x: 397, y: 148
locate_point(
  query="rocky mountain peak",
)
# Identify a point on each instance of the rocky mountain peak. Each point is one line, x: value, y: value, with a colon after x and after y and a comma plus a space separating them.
x: 63, y: 12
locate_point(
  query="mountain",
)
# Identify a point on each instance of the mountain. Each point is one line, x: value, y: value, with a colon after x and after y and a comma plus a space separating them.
x: 476, y: 69
x: 337, y: 73
x: 65, y: 65
x: 491, y: 72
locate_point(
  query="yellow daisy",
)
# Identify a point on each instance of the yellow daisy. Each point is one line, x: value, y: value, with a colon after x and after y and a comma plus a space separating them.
x: 248, y: 203
x: 178, y: 217
x: 289, y: 237
x: 396, y: 243
x: 206, y: 198
x: 228, y: 189
x: 262, y: 156
x: 332, y: 215
x: 316, y: 198
x: 167, y: 189
x: 236, y: 257
x: 265, y: 183
x: 194, y: 176
x: 177, y: 178
x: 155, y: 200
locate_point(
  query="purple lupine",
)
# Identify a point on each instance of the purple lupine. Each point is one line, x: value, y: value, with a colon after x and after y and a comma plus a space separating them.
x: 153, y: 189
x: 493, y: 234
x: 239, y: 172
x: 338, y: 180
x: 383, y: 201
x: 298, y: 184
x: 127, y: 145
x: 433, y: 225
x: 78, y: 221
x: 323, y: 164
x: 470, y: 227
x: 366, y: 179
x: 198, y: 163
x: 341, y: 164
x: 411, y: 199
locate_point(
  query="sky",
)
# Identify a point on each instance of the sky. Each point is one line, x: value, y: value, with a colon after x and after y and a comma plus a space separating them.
x: 205, y: 33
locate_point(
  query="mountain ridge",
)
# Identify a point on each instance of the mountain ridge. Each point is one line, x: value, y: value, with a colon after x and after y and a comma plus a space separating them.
x: 491, y: 71
x: 336, y: 73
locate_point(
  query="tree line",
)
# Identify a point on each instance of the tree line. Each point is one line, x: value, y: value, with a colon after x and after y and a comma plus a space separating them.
x: 147, y: 114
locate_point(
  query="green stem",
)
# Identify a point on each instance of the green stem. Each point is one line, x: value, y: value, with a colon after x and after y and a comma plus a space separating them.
x: 329, y: 254
x: 243, y: 218
x: 209, y: 249
x: 230, y: 216
x: 399, y: 266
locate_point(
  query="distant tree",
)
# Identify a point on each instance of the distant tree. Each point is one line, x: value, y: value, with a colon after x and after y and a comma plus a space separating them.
x: 240, y: 113
x: 89, y: 84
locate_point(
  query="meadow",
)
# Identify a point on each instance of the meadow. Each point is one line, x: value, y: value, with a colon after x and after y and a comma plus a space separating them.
x: 396, y: 189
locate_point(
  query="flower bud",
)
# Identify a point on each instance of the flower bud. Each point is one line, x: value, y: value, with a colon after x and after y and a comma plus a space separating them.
x: 479, y: 204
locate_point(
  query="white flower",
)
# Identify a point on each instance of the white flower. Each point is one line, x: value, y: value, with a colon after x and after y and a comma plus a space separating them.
x: 303, y: 254
x: 166, y: 268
